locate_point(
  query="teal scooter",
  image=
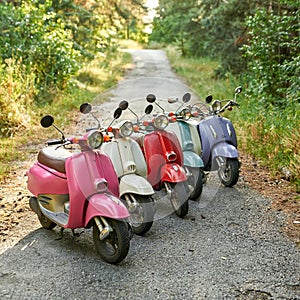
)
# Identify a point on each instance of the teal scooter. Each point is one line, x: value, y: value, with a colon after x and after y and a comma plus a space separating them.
x: 191, y: 146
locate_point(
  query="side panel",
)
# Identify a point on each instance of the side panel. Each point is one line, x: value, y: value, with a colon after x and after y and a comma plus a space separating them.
x: 154, y: 157
x: 187, y: 142
x: 43, y: 180
x: 157, y: 145
x: 112, y: 150
x: 196, y: 139
x: 174, y: 127
x: 139, y: 159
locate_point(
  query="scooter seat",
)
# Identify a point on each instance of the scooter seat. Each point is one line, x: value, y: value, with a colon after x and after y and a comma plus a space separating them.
x: 54, y: 158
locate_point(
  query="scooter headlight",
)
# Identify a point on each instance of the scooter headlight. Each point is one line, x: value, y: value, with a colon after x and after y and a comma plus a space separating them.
x: 185, y: 114
x: 95, y: 139
x: 126, y: 129
x: 216, y: 105
x: 161, y: 122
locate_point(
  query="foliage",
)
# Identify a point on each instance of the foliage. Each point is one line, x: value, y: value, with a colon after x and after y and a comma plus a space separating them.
x: 43, y: 44
x: 17, y: 90
x: 204, y: 28
x: 66, y: 103
x: 38, y: 42
x: 271, y: 135
x: 273, y: 53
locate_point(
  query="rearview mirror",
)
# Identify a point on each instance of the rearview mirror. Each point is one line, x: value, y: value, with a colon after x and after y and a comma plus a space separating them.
x: 238, y: 90
x: 151, y: 98
x: 47, y: 121
x: 186, y: 97
x: 85, y: 108
x: 123, y: 104
x: 209, y: 99
x: 148, y: 109
x: 118, y: 113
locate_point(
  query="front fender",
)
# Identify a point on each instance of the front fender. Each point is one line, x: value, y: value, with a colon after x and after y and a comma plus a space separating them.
x: 191, y: 159
x: 224, y: 150
x: 134, y: 184
x: 172, y: 173
x: 105, y: 205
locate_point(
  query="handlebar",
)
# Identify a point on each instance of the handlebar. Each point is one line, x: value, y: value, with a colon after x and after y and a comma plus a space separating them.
x: 55, y: 142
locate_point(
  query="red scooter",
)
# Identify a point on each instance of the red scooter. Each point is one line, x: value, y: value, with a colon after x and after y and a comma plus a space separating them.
x: 80, y: 190
x: 164, y: 159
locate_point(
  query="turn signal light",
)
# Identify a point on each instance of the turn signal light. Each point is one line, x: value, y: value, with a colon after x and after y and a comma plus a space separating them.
x: 106, y: 138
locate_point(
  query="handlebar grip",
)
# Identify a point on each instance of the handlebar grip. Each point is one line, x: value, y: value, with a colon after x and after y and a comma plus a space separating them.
x: 55, y: 142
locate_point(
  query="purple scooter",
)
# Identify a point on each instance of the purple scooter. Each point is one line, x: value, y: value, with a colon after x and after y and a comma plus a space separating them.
x: 218, y: 138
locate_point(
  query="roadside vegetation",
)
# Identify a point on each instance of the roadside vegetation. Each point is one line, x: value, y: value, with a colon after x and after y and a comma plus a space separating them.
x: 55, y: 55
x: 222, y: 44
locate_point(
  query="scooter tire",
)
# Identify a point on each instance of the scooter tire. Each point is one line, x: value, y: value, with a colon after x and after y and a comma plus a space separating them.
x: 114, y: 248
x: 231, y: 176
x: 46, y: 223
x: 146, y: 208
x: 181, y: 195
x: 197, y: 183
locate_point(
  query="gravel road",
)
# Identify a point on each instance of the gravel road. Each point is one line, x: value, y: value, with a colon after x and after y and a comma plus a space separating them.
x: 229, y: 246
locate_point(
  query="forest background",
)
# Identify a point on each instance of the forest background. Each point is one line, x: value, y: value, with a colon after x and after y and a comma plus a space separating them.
x: 56, y: 54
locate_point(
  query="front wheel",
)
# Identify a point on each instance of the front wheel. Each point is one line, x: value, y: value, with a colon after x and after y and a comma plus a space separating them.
x: 229, y: 173
x: 179, y: 198
x: 196, y: 181
x: 114, y: 248
x: 141, y: 214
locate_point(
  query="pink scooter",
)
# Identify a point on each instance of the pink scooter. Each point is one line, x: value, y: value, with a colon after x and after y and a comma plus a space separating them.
x: 80, y: 190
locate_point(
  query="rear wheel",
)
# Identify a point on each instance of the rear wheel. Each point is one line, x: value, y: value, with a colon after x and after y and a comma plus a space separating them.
x: 114, y: 248
x: 179, y: 198
x: 45, y: 222
x: 196, y: 181
x: 229, y: 173
x: 141, y: 214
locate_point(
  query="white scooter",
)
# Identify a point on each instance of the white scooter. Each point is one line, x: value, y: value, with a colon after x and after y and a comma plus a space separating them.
x: 130, y: 166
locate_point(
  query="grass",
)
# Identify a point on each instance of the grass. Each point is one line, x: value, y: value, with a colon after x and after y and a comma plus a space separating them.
x: 93, y: 79
x: 272, y: 136
x: 200, y: 75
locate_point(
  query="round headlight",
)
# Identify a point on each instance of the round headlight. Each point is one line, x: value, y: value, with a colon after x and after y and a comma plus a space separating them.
x: 126, y: 129
x: 95, y: 139
x: 161, y: 122
x: 185, y: 114
x: 216, y: 105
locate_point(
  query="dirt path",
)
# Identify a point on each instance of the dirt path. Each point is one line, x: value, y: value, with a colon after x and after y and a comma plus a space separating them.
x: 231, y: 245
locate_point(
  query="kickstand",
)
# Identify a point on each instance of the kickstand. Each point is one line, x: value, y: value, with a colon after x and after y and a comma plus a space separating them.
x: 76, y: 234
x: 61, y: 234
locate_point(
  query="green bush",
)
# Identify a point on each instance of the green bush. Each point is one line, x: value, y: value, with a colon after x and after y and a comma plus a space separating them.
x: 17, y: 89
x: 39, y: 42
